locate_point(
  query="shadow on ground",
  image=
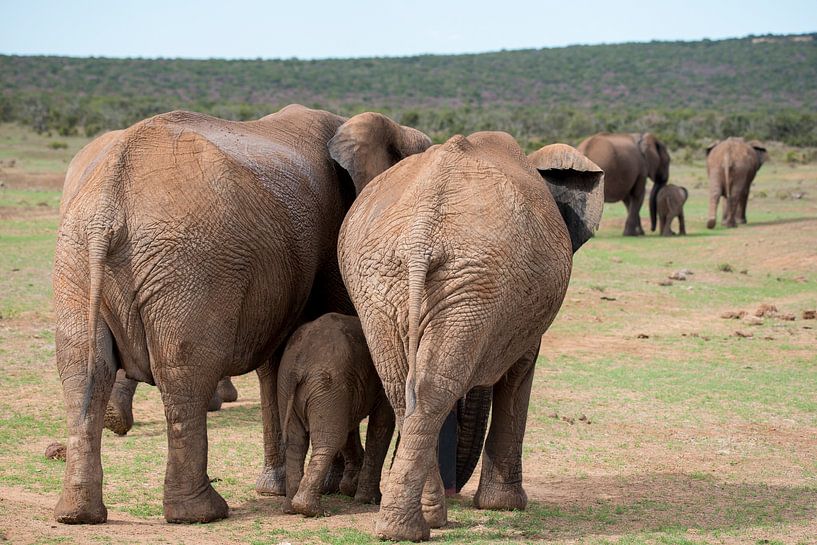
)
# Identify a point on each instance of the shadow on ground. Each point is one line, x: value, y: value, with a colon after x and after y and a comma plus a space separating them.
x: 579, y: 507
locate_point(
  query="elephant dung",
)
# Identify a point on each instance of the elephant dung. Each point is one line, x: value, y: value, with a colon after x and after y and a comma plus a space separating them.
x: 810, y: 314
x: 766, y: 310
x: 733, y: 315
x: 55, y: 451
x: 753, y: 320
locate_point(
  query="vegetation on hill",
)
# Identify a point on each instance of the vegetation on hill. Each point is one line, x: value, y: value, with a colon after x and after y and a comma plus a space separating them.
x: 760, y: 87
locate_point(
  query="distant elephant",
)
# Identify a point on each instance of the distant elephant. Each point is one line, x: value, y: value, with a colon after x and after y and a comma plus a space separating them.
x: 627, y: 161
x: 457, y: 261
x: 327, y: 384
x: 670, y: 203
x: 731, y: 165
x: 190, y: 250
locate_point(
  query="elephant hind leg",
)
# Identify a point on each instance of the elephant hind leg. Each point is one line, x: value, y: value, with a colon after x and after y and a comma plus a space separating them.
x: 81, y: 498
x: 182, y: 377
x: 414, y: 499
x: 500, y: 483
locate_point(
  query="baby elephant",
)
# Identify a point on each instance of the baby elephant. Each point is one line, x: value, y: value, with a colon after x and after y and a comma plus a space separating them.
x: 327, y: 384
x: 670, y: 204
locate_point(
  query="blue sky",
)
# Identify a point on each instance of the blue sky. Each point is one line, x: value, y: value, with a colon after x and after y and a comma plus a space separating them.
x: 311, y: 29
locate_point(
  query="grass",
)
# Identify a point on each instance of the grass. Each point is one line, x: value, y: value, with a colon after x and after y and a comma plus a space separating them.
x: 696, y: 435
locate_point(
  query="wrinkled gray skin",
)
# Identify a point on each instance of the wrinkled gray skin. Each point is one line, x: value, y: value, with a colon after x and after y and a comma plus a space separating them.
x: 457, y: 261
x: 670, y: 202
x: 627, y: 161
x: 732, y: 165
x: 185, y: 231
x: 327, y: 384
x: 119, y: 412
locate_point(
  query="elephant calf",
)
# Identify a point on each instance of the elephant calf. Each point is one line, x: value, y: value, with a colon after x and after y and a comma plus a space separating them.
x: 327, y: 384
x: 670, y: 204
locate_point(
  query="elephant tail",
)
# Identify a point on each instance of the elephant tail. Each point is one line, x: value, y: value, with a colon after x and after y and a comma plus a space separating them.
x: 98, y: 246
x: 294, y: 382
x: 418, y: 268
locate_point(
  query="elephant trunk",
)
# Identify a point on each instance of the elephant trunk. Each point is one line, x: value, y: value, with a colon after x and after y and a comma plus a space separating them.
x: 472, y: 416
x: 656, y: 187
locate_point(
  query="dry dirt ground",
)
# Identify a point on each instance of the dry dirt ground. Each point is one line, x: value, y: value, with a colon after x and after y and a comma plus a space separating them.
x: 652, y: 420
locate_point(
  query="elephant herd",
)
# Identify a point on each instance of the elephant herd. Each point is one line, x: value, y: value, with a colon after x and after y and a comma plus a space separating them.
x: 191, y: 249
x: 629, y: 159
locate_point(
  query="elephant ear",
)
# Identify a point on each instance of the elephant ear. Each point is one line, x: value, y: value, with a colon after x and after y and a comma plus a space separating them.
x: 711, y: 146
x: 371, y: 143
x: 760, y: 149
x: 648, y: 146
x: 577, y: 186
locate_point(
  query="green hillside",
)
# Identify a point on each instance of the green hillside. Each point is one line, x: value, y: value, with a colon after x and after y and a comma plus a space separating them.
x: 761, y: 87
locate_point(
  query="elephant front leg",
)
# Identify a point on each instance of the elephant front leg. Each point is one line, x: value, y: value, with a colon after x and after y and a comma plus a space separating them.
x: 500, y: 483
x: 81, y: 498
x: 271, y: 481
x: 188, y: 494
x: 119, y: 412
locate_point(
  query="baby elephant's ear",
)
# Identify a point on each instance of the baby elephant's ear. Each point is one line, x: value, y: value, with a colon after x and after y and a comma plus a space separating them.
x: 577, y: 186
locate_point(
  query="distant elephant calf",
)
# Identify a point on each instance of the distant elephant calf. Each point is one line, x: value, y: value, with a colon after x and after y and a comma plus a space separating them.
x: 670, y: 204
x: 732, y: 165
x: 327, y: 384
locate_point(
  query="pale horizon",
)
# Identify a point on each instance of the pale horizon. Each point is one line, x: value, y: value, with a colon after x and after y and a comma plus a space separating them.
x: 370, y: 29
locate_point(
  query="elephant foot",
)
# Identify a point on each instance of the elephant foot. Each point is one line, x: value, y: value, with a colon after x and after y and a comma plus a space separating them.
x: 435, y: 514
x: 348, y: 485
x: 391, y: 525
x: 730, y: 224
x: 271, y: 481
x: 710, y: 224
x: 367, y: 496
x: 226, y: 391
x: 206, y: 507
x: 286, y: 507
x: 215, y: 403
x: 742, y: 221
x: 507, y: 497
x: 306, y: 504
x: 76, y: 508
x: 118, y: 419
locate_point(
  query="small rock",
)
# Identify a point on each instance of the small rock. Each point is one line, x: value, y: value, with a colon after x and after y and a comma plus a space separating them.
x: 55, y: 451
x: 642, y: 336
x: 797, y: 195
x: 665, y: 282
x: 786, y: 317
x: 678, y: 275
x: 743, y: 334
x: 733, y: 315
x: 752, y: 320
x: 686, y: 272
x: 810, y: 314
x: 765, y: 310
x: 607, y: 298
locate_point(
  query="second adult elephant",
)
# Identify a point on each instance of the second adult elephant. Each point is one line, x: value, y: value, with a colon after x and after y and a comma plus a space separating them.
x: 457, y: 261
x: 627, y: 161
x: 731, y: 165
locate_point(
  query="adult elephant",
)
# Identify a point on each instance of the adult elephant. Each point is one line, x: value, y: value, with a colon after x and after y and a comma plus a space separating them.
x: 457, y: 261
x: 731, y: 165
x: 627, y: 161
x: 190, y: 250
